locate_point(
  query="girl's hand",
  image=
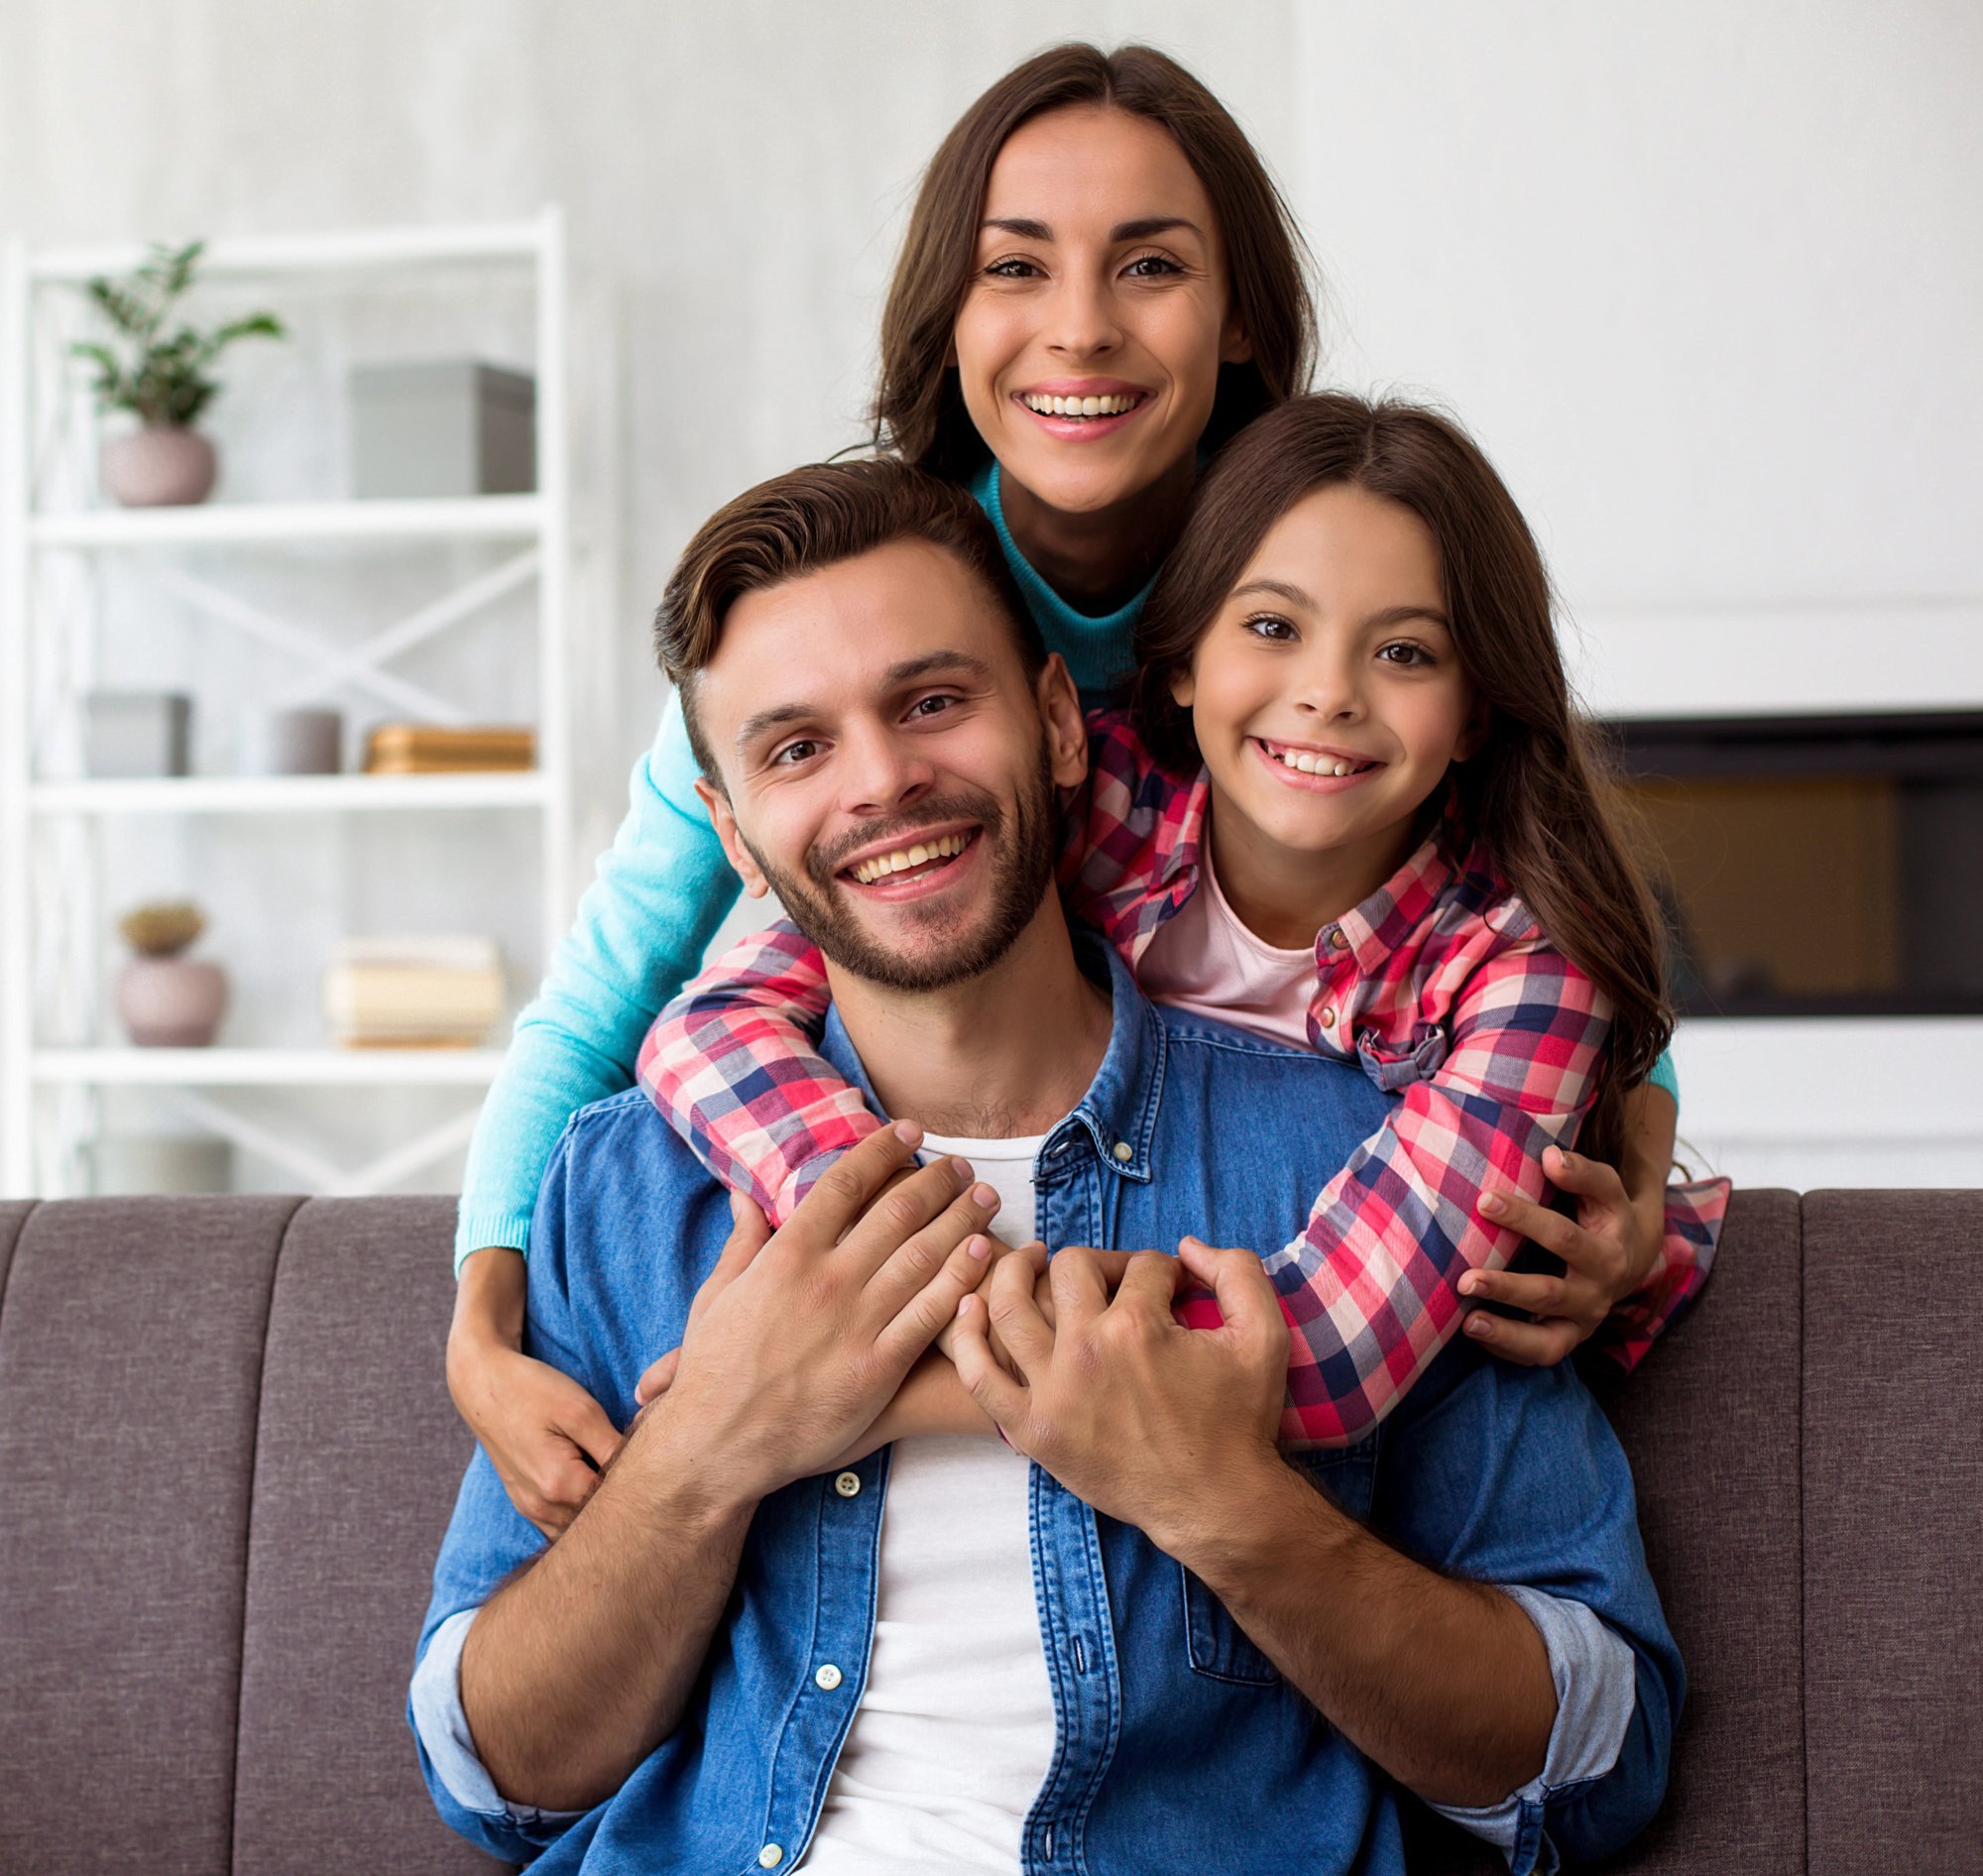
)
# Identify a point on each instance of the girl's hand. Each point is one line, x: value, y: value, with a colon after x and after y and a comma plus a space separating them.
x: 1609, y: 1252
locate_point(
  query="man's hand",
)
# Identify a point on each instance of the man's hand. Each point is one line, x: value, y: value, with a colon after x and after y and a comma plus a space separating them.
x: 1609, y: 1252
x: 792, y: 1351
x: 547, y: 1436
x: 1203, y: 1404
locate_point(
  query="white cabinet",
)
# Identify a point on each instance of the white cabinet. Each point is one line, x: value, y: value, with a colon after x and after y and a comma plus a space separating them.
x: 282, y: 594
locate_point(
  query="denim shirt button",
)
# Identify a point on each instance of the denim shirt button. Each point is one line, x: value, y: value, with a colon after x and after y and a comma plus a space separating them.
x: 848, y: 1484
x: 1124, y: 1151
x: 770, y: 1856
x: 828, y: 1678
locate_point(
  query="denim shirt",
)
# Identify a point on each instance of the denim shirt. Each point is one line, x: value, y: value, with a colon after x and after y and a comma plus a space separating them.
x: 1178, y: 1743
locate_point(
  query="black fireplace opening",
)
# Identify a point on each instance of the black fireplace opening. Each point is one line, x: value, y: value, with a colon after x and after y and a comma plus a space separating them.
x: 1814, y: 865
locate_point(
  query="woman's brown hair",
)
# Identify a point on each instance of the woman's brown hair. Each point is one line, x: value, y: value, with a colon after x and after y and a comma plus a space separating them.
x: 1536, y: 798
x: 919, y: 410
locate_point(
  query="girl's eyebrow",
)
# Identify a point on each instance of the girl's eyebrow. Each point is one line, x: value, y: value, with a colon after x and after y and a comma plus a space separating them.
x: 1378, y: 620
x: 1144, y: 229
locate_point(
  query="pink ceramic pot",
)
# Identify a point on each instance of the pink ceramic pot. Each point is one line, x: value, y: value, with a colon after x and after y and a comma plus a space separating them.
x: 172, y: 1003
x: 160, y: 466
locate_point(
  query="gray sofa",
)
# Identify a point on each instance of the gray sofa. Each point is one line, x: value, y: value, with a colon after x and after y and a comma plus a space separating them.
x: 227, y: 1454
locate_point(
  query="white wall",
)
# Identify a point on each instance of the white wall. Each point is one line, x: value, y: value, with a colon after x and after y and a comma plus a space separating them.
x: 1707, y: 280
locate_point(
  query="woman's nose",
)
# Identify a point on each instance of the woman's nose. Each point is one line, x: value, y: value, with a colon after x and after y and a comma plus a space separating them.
x: 1083, y: 322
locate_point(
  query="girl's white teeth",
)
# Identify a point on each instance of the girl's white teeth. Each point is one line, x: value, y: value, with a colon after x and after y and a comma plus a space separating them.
x: 1307, y: 764
x: 1081, y: 407
x: 880, y: 866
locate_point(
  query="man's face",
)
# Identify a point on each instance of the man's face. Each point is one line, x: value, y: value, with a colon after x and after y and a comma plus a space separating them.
x: 889, y: 768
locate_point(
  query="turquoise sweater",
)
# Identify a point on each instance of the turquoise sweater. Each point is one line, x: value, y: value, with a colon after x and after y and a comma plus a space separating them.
x: 658, y: 894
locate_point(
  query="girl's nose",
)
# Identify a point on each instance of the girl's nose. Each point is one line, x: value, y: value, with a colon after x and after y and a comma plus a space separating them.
x: 1329, y: 687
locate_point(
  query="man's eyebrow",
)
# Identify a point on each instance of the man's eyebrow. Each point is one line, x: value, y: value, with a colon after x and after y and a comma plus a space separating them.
x: 1380, y: 620
x: 1142, y: 229
x: 909, y: 671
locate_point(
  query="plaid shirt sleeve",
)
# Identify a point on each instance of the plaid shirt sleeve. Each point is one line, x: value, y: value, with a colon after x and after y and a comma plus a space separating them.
x: 733, y: 1064
x: 1686, y: 1254
x: 1370, y: 1287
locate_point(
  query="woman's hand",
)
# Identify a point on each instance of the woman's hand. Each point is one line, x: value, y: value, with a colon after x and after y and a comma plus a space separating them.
x: 1609, y: 1252
x: 547, y: 1436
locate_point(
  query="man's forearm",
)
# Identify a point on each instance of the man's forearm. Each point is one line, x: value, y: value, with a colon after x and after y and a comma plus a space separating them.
x: 575, y: 1670
x: 1446, y: 1684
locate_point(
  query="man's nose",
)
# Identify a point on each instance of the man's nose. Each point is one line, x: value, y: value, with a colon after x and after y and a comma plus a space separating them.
x: 881, y: 771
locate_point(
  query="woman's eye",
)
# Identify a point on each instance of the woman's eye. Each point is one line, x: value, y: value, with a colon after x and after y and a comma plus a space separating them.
x: 1012, y: 268
x: 1152, y: 267
x: 1270, y: 626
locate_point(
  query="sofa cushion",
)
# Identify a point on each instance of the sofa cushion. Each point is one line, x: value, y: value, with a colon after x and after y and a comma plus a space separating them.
x: 1893, y: 1479
x: 13, y: 1214
x: 129, y: 1358
x: 358, y: 1456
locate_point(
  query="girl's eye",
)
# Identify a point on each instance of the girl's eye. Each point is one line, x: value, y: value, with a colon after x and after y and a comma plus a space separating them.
x: 799, y: 750
x: 1270, y: 626
x: 1406, y: 654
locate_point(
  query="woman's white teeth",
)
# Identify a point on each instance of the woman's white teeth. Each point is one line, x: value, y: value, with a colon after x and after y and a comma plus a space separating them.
x: 1314, y: 764
x: 880, y: 866
x: 1081, y: 407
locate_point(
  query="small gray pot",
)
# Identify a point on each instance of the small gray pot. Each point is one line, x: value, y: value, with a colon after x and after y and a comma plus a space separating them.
x: 172, y: 1003
x: 160, y: 466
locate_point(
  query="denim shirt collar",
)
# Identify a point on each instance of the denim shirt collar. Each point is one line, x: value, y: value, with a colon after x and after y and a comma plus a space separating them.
x: 1120, y: 1109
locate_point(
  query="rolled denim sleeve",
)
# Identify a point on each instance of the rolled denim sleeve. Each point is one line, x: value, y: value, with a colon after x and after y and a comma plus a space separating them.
x: 441, y: 1726
x: 1513, y: 1477
x: 1595, y: 1691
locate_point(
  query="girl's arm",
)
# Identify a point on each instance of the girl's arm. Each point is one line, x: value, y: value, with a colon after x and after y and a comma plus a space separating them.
x: 661, y: 891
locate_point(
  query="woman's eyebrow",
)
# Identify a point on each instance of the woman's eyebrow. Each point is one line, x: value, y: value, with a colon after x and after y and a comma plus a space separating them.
x: 1144, y: 228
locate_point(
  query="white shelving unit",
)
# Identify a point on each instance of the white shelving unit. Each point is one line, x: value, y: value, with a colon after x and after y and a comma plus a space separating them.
x: 55, y: 1067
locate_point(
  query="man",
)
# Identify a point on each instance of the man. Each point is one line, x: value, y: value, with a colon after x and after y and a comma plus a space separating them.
x: 1162, y: 1645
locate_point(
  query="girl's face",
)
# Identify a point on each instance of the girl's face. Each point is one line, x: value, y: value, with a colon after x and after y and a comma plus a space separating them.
x: 1327, y: 696
x: 1098, y: 278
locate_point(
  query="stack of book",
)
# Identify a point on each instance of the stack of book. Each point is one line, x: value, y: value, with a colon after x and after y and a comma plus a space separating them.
x: 413, y: 992
x: 429, y: 748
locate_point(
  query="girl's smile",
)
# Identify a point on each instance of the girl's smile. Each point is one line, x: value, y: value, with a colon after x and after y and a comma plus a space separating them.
x: 1328, y: 702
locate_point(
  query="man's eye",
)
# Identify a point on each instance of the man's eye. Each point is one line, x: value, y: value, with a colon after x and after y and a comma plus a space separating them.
x: 793, y: 753
x: 931, y: 706
x: 1270, y: 626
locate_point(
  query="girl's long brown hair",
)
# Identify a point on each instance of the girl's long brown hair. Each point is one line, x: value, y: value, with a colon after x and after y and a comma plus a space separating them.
x: 918, y: 410
x: 1536, y: 796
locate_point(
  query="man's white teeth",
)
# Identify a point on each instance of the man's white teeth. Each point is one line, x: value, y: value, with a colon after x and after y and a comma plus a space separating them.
x: 1307, y: 764
x: 1081, y: 407
x: 879, y: 866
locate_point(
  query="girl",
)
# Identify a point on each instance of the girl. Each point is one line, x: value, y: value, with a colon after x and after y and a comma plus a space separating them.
x: 1350, y: 809
x: 1092, y: 224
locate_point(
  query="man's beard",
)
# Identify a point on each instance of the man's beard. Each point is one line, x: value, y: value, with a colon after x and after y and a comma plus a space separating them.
x: 1022, y: 869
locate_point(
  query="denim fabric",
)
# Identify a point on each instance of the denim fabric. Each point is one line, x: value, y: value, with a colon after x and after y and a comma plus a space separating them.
x: 1179, y: 1745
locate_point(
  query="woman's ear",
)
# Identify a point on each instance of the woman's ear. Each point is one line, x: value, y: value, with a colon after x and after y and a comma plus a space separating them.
x: 1234, y: 346
x: 724, y: 820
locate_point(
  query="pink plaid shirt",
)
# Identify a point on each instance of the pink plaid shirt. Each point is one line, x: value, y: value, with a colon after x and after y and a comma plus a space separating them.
x: 1440, y: 985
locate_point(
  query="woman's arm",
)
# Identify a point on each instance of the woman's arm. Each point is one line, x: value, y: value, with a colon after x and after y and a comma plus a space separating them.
x: 660, y: 892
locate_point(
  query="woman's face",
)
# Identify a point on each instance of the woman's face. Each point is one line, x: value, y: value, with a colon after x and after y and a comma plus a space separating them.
x: 1327, y: 695
x: 1098, y: 311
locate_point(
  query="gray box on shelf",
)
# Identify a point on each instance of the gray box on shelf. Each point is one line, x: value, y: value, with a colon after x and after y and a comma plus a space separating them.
x: 296, y: 743
x: 444, y: 429
x: 136, y: 735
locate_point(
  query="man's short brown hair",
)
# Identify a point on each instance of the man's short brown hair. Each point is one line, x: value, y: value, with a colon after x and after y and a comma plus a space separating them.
x: 801, y: 523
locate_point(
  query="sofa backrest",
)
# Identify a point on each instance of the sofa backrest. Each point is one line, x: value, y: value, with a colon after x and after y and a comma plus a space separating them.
x: 227, y: 1456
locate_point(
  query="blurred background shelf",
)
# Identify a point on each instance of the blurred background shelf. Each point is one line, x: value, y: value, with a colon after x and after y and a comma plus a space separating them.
x: 266, y: 1068
x: 276, y: 523
x: 291, y: 794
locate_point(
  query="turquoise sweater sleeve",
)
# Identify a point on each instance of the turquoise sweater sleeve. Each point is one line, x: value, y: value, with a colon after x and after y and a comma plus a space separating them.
x: 1663, y: 1076
x: 661, y: 891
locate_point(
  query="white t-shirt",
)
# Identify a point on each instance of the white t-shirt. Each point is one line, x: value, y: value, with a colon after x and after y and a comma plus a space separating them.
x: 955, y: 1730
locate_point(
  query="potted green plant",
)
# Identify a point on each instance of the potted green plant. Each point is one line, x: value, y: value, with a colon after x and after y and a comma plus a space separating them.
x: 167, y: 1000
x: 163, y: 381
